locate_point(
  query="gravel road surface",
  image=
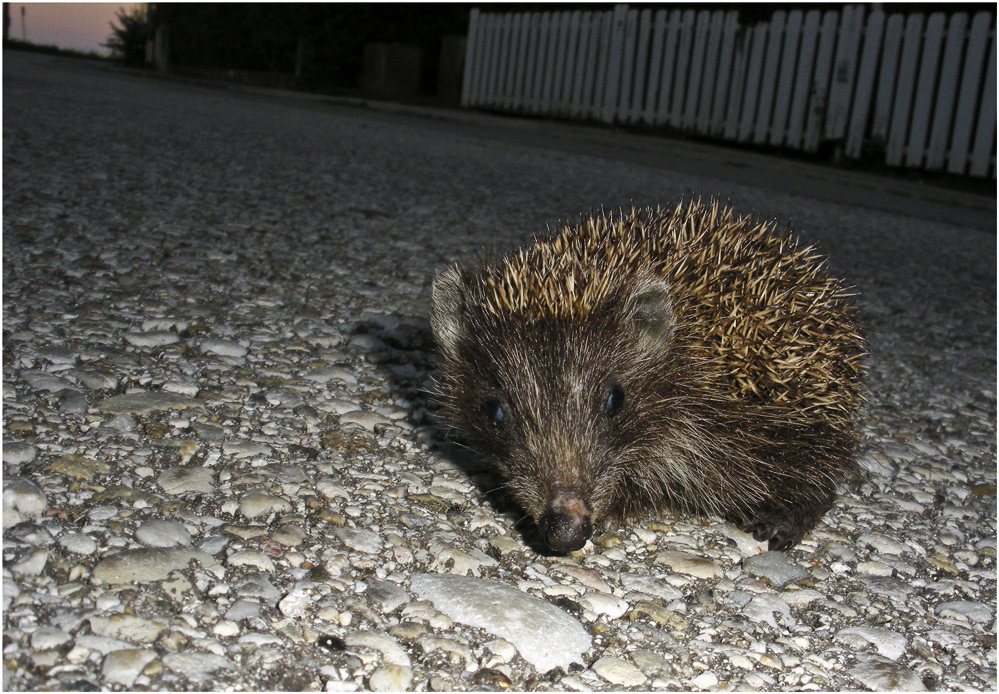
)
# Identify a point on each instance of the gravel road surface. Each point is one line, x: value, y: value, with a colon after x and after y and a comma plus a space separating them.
x: 221, y: 469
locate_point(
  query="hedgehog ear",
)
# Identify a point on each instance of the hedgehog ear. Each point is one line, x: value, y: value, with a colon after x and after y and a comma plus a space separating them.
x: 447, y: 313
x: 649, y: 315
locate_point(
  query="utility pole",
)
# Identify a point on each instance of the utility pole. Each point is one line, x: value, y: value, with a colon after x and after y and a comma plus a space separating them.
x: 24, y: 34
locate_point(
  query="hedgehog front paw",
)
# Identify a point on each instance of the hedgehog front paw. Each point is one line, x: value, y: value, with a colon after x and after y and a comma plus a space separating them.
x: 779, y: 535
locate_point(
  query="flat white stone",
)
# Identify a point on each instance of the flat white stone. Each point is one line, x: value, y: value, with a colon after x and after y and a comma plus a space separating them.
x: 46, y: 637
x: 225, y: 628
x: 386, y: 594
x: 619, y: 672
x: 243, y: 609
x: 180, y: 480
x: 163, y: 533
x: 18, y: 452
x: 78, y: 543
x: 890, y: 644
x: 33, y: 564
x: 390, y: 649
x: 331, y: 373
x: 973, y: 611
x: 124, y: 666
x: 602, y: 603
x: 544, y: 635
x: 260, y: 504
x: 360, y: 540
x: 705, y: 681
x: 888, y: 677
x: 246, y: 449
x: 762, y: 607
x: 22, y: 499
x: 149, y: 564
x: 151, y: 338
x: 46, y: 382
x: 224, y: 348
x: 684, y: 563
x: 126, y: 627
x: 391, y: 678
x: 197, y: 667
x: 101, y: 644
x: 776, y: 567
x: 249, y: 557
x: 94, y: 379
x: 365, y: 419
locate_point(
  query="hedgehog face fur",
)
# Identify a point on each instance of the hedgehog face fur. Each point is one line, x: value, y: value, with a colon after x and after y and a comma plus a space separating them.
x: 684, y: 360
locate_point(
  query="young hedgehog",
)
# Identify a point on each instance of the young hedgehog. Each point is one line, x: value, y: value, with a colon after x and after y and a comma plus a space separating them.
x: 689, y: 360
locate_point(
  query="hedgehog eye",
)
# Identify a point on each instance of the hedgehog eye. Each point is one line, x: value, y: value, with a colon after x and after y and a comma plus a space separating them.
x: 493, y: 409
x: 614, y: 401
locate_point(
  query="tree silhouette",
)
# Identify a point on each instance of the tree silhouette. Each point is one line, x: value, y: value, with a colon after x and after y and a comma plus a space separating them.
x: 128, y: 40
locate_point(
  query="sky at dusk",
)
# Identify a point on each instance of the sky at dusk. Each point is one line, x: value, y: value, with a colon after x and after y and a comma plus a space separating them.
x: 80, y: 26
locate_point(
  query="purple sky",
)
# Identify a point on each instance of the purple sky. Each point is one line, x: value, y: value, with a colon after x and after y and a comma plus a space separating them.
x: 81, y: 26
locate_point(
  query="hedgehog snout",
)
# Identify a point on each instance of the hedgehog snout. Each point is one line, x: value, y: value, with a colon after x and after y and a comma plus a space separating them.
x: 565, y: 524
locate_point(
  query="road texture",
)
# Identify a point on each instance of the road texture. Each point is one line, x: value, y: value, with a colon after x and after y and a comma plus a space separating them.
x: 222, y: 470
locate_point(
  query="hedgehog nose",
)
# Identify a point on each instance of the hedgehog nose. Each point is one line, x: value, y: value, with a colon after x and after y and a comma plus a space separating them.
x: 566, y: 524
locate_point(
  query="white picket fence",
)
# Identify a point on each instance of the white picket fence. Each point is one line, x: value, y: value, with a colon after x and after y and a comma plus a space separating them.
x: 922, y: 90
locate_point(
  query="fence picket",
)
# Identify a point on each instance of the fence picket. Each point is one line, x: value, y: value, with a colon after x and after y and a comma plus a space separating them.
x: 636, y: 108
x: 901, y: 110
x: 753, y: 78
x: 983, y: 155
x: 655, y: 66
x: 698, y: 53
x: 768, y: 82
x: 819, y: 103
x: 803, y: 80
x: 686, y: 41
x: 890, y: 55
x: 622, y: 112
x: 725, y: 66
x: 506, y: 63
x: 923, y: 97
x: 964, y: 117
x: 669, y: 68
x: 701, y: 121
x: 844, y: 72
x: 785, y: 80
x: 740, y: 66
x: 591, y: 68
x: 612, y: 85
x: 943, y: 112
x: 865, y: 84
x: 853, y: 77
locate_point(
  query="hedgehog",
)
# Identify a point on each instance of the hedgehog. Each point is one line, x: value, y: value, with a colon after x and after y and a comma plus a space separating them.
x: 684, y: 360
